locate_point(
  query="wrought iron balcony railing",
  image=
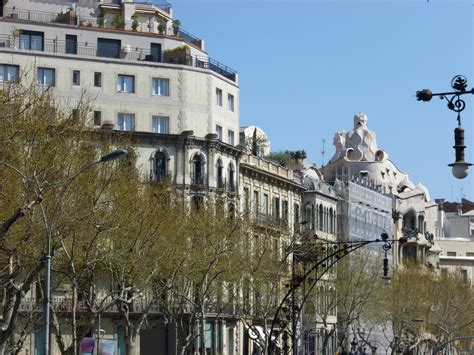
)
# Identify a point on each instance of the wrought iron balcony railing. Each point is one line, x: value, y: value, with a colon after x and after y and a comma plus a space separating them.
x: 125, y: 53
x: 198, y: 180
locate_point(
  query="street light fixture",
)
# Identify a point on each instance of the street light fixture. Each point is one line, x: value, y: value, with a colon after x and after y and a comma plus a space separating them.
x: 116, y: 154
x: 334, y: 251
x: 456, y: 104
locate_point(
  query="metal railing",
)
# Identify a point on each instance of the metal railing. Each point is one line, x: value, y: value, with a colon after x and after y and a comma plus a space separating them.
x: 63, y: 304
x: 198, y: 180
x: 270, y: 220
x: 125, y: 53
x: 73, y: 19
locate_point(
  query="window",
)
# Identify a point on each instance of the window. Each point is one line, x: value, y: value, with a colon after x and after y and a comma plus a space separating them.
x: 220, y: 174
x: 160, y: 87
x: 230, y: 137
x: 197, y: 203
x: 309, y: 215
x: 31, y: 40
x: 230, y: 102
x: 97, y: 118
x: 71, y: 44
x: 265, y: 204
x: 155, y: 52
x: 76, y: 77
x: 160, y: 166
x: 126, y: 83
x: 284, y: 211
x: 9, y: 73
x: 219, y: 132
x: 451, y: 253
x: 198, y: 176
x: 97, y: 79
x: 75, y: 113
x: 276, y: 207
x: 160, y: 124
x: 218, y: 97
x: 126, y: 122
x: 245, y: 202
x: 107, y: 47
x: 255, y: 205
x: 231, y: 175
x: 470, y: 254
x: 46, y: 76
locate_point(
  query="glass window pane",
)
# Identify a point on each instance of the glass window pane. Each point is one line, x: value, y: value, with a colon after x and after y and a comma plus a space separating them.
x: 45, y: 76
x: 160, y: 124
x: 160, y: 87
x: 125, y: 122
x: 24, y: 41
x: 8, y: 73
x: 126, y: 83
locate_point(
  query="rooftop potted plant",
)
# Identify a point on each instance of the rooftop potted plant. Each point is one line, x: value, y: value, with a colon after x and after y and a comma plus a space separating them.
x: 176, y: 24
x: 135, y: 21
x: 161, y: 28
x: 101, y: 18
x: 118, y: 22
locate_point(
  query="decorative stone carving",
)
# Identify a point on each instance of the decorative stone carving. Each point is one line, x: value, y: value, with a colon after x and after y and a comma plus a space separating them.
x: 359, y: 144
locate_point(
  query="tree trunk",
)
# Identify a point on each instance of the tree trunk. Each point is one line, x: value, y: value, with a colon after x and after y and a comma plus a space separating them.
x: 74, y: 320
x: 202, y: 331
x: 2, y: 348
x: 131, y: 345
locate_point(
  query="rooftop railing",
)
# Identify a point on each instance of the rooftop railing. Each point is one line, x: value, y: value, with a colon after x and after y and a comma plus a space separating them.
x: 125, y: 53
x: 73, y: 19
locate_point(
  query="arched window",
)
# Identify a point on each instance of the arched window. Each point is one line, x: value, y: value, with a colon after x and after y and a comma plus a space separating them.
x: 409, y: 221
x: 160, y: 166
x: 231, y: 176
x: 309, y: 215
x: 231, y: 210
x: 197, y: 203
x: 321, y: 218
x: 331, y: 221
x: 421, y: 224
x: 220, y: 174
x: 296, y: 216
x: 197, y: 173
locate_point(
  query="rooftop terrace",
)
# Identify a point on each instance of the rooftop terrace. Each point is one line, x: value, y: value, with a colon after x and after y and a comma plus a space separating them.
x: 128, y: 52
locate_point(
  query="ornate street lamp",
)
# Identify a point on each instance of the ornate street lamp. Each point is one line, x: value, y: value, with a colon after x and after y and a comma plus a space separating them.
x: 456, y: 104
x: 334, y: 251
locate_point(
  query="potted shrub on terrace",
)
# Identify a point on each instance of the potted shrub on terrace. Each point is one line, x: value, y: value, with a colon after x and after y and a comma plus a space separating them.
x: 135, y: 21
x: 118, y: 22
x: 176, y: 24
x: 161, y: 28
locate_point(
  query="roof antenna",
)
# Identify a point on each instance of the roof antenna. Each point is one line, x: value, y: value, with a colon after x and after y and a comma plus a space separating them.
x: 322, y: 153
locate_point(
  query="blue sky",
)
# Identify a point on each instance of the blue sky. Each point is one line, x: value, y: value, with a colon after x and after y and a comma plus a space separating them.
x: 306, y: 67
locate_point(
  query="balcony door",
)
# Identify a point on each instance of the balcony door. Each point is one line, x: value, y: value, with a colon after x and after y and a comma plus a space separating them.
x: 155, y: 51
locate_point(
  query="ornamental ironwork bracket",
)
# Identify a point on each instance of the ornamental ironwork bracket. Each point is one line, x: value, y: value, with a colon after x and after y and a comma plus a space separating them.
x: 455, y: 102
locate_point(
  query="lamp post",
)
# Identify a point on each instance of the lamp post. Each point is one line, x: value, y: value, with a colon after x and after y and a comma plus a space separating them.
x: 119, y: 153
x: 456, y: 104
x: 335, y: 252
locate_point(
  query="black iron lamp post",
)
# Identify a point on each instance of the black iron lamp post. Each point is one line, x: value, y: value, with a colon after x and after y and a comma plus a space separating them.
x: 334, y: 251
x: 456, y: 104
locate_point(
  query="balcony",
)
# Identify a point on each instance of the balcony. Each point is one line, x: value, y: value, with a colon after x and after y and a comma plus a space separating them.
x: 63, y: 304
x: 270, y: 220
x: 198, y: 180
x: 72, y: 18
x: 125, y: 53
